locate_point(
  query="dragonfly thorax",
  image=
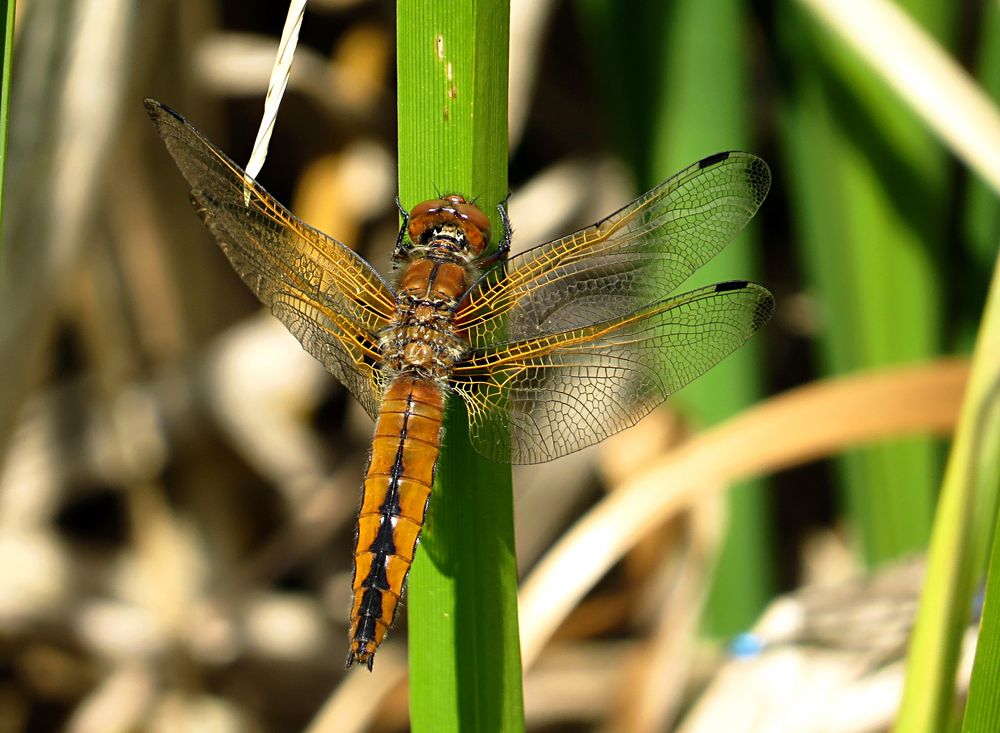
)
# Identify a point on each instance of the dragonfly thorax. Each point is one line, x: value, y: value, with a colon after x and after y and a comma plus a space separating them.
x: 421, y: 337
x: 421, y: 340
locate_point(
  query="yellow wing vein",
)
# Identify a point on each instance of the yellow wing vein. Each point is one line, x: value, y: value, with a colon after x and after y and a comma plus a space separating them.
x: 347, y: 276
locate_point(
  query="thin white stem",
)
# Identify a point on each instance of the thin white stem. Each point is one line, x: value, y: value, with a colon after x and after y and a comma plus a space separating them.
x: 276, y: 86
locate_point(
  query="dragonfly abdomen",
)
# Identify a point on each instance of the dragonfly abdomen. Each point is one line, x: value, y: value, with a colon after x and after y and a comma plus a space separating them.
x: 394, y: 500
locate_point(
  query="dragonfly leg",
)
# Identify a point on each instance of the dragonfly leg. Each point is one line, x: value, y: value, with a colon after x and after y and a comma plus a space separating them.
x: 499, y: 256
x: 399, y: 251
x: 503, y: 246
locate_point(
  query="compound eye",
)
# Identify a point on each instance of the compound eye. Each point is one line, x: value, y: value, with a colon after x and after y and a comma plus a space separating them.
x: 425, y: 216
x: 430, y: 206
x: 474, y: 216
x: 453, y: 208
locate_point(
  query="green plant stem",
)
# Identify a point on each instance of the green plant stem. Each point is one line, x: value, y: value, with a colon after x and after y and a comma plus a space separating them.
x: 465, y: 669
x: 982, y: 710
x: 963, y: 527
x: 7, y: 10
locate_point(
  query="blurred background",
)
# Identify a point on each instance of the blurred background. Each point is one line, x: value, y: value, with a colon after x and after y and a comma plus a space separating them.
x: 178, y: 479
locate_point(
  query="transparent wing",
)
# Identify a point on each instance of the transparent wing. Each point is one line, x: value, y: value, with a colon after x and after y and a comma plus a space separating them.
x: 329, y: 297
x: 341, y: 346
x: 634, y: 257
x: 533, y: 400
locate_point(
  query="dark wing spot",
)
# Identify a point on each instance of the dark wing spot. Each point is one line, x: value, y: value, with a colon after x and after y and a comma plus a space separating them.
x: 730, y: 285
x: 712, y: 160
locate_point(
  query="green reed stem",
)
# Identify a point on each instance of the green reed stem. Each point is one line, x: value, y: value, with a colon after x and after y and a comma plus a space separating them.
x: 465, y: 668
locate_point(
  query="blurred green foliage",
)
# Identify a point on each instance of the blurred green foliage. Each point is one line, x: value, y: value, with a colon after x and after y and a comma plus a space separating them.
x: 893, y: 243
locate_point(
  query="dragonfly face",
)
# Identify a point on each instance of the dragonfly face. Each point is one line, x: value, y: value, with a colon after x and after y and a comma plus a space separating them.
x: 469, y: 226
x: 577, y: 340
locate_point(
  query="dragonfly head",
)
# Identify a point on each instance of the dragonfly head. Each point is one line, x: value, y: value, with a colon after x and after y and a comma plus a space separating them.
x: 453, y: 215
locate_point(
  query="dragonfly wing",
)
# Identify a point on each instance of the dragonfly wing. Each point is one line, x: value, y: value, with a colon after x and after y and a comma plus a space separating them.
x: 344, y: 349
x: 634, y: 257
x: 328, y: 296
x: 534, y: 400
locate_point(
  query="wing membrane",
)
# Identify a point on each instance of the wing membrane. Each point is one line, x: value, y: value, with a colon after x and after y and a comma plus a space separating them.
x: 533, y: 400
x: 341, y: 346
x: 630, y: 259
x: 328, y: 296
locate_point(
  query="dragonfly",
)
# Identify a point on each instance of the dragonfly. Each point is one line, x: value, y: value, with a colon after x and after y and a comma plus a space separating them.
x: 551, y: 350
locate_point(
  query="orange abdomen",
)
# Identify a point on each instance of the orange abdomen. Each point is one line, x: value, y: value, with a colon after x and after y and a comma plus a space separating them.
x: 394, y: 499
